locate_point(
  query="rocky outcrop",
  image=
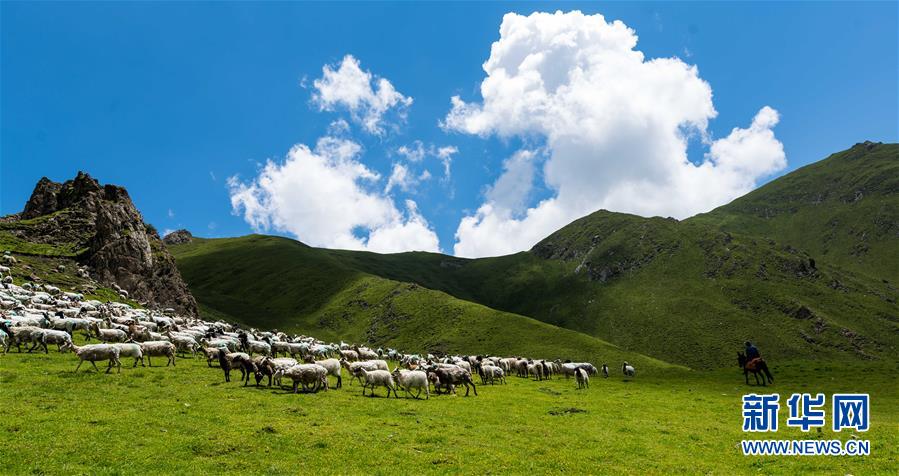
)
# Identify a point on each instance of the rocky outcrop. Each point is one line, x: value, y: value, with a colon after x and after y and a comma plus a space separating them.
x: 102, y: 223
x: 178, y: 237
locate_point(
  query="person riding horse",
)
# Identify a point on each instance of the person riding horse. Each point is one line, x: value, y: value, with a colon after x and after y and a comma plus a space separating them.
x: 752, y: 362
x: 751, y: 352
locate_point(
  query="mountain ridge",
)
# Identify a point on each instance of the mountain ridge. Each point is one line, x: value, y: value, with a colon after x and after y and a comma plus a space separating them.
x: 656, y: 284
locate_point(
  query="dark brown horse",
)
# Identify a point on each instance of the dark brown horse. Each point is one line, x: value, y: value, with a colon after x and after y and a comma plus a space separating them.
x: 757, y: 367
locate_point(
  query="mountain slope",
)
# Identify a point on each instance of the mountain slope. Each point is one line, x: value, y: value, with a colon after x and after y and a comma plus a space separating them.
x: 279, y: 283
x: 96, y: 227
x: 679, y: 291
x: 843, y: 210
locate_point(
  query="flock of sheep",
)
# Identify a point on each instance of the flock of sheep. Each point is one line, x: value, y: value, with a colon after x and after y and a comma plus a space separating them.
x: 37, y: 316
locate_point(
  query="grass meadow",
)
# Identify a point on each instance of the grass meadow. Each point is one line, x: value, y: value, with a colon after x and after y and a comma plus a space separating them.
x: 187, y: 420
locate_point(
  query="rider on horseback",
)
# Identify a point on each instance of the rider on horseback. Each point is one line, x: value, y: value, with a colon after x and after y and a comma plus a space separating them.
x: 752, y: 362
x: 752, y: 356
x: 751, y: 352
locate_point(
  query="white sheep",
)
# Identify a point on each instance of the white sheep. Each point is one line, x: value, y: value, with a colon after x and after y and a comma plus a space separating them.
x: 312, y: 376
x: 408, y: 379
x: 377, y: 378
x: 184, y: 343
x: 583, y: 380
x: 257, y: 346
x: 365, y: 353
x: 131, y: 349
x: 333, y: 367
x: 97, y: 352
x: 492, y: 373
x: 109, y: 335
x: 628, y: 370
x: 159, y: 348
x: 19, y: 335
x: 280, y: 364
x: 353, y: 367
x: 62, y: 339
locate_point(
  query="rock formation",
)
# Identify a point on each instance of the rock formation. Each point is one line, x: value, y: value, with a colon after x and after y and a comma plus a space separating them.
x: 107, y: 233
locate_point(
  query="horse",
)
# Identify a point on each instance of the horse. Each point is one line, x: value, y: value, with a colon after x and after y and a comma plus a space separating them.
x: 756, y: 366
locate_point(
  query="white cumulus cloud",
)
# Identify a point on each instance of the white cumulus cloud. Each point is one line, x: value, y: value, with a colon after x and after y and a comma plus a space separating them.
x: 366, y: 97
x: 326, y: 197
x: 615, y: 127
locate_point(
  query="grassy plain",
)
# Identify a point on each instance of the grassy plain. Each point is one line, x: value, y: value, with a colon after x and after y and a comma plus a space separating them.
x: 186, y: 420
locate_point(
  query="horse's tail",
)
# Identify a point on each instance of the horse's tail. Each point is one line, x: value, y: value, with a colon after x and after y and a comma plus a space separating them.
x: 764, y: 367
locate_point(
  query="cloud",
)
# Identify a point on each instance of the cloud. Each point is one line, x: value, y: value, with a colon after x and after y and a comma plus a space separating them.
x: 400, y: 177
x: 414, y: 152
x: 326, y: 197
x: 367, y: 97
x: 614, y: 126
x: 445, y: 154
x: 170, y: 213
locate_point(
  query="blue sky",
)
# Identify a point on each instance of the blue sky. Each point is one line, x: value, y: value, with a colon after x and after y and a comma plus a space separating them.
x: 170, y: 100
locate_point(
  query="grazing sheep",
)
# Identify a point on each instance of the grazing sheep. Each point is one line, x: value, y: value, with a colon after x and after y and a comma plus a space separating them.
x: 491, y: 374
x: 605, y: 371
x: 229, y: 344
x: 131, y: 349
x: 257, y: 346
x: 583, y: 380
x: 570, y: 368
x: 280, y: 364
x: 408, y: 379
x: 224, y: 363
x: 109, y: 335
x: 548, y: 369
x: 350, y: 355
x: 521, y: 367
x: 279, y: 347
x: 628, y: 370
x: 159, y: 348
x: 211, y: 353
x: 21, y: 335
x: 297, y: 349
x: 264, y: 367
x: 450, y: 377
x: 184, y: 343
x: 535, y: 369
x: 332, y: 366
x: 62, y: 339
x: 377, y: 378
x: 365, y: 353
x: 71, y: 324
x: 97, y: 352
x: 313, y: 377
x: 243, y: 362
x: 353, y: 367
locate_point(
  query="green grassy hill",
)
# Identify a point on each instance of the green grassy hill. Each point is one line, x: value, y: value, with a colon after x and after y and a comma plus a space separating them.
x: 842, y: 210
x: 273, y: 282
x: 681, y: 291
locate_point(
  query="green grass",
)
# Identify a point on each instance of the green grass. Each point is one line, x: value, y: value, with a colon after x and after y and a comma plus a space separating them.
x: 186, y: 420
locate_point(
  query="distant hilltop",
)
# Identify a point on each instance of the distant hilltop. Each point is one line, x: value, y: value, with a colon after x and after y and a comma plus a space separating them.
x: 178, y: 237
